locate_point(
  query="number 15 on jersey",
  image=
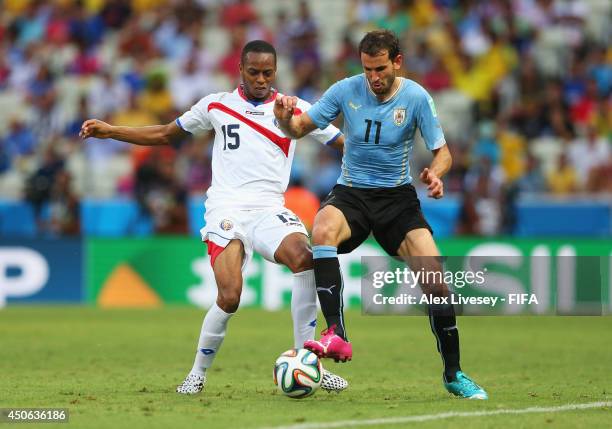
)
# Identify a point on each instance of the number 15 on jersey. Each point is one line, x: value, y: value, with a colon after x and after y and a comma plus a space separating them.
x: 230, y: 132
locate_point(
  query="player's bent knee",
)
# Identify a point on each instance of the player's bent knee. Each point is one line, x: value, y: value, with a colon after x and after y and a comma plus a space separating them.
x: 229, y: 301
x: 301, y: 261
x: 228, y: 295
x: 418, y: 235
x: 294, y: 252
x: 325, y: 233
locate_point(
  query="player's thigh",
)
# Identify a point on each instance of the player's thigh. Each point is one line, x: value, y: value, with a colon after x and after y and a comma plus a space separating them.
x: 419, y: 251
x: 222, y: 226
x: 401, y: 229
x: 342, y: 220
x: 418, y: 242
x: 396, y: 213
x: 274, y: 227
x: 228, y: 276
x: 330, y: 227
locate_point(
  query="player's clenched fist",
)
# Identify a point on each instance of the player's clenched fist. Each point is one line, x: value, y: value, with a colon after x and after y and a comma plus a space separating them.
x: 283, y: 107
x: 435, y: 186
x: 95, y: 128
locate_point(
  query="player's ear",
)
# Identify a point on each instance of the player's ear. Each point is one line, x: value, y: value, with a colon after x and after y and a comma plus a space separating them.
x: 397, y: 61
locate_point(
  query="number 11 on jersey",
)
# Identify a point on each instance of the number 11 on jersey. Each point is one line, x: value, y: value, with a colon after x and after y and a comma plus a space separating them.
x: 377, y: 124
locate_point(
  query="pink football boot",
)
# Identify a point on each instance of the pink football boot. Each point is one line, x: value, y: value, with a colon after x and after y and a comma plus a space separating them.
x: 330, y: 346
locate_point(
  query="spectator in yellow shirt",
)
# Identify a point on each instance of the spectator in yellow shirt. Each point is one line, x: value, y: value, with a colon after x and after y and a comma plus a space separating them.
x: 563, y: 180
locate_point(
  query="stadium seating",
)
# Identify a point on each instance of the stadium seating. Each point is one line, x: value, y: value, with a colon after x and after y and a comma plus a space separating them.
x: 122, y: 217
x: 113, y: 218
x: 16, y: 219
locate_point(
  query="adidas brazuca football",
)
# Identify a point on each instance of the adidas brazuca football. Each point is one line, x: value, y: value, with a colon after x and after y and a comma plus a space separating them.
x: 298, y: 373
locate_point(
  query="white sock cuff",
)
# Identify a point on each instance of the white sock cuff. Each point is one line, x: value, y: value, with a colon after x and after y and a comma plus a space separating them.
x: 304, y: 278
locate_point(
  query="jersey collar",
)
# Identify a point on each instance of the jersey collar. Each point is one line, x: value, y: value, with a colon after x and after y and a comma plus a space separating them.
x: 256, y: 103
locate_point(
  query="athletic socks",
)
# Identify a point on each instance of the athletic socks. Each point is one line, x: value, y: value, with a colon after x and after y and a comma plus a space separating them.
x: 211, y: 338
x: 329, y: 286
x: 303, y: 311
x: 303, y: 307
x: 444, y: 326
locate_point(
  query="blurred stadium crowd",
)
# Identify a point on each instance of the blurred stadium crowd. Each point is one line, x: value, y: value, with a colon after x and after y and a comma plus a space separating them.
x: 523, y: 89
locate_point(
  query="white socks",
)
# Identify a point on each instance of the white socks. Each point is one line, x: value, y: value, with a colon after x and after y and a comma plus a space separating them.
x: 303, y: 307
x: 303, y: 312
x: 211, y: 338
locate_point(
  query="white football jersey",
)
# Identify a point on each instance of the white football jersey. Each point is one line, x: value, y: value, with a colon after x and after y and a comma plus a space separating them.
x: 251, y: 158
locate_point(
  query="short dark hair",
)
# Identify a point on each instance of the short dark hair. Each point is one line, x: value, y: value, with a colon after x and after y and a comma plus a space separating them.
x: 374, y: 42
x: 257, y: 46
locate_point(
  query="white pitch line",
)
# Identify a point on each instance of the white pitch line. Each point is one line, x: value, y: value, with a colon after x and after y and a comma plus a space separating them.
x: 427, y: 417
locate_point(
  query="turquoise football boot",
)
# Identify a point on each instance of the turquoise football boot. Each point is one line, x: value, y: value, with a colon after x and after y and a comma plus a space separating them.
x: 464, y: 387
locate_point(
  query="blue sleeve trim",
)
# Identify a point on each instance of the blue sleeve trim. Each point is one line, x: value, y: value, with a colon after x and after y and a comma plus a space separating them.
x: 334, y: 138
x: 178, y: 122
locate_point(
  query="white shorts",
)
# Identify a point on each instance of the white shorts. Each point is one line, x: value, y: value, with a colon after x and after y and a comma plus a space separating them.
x: 260, y: 230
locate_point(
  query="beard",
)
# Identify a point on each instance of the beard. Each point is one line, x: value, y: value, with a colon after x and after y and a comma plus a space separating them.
x: 385, y: 86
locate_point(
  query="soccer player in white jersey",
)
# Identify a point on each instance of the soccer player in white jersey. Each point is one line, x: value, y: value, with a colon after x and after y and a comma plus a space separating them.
x: 245, y: 206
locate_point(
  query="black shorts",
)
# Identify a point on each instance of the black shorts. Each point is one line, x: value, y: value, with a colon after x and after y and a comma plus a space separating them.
x: 389, y: 213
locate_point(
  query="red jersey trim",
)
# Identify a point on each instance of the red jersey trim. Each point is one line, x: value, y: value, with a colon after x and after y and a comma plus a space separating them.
x: 282, y: 142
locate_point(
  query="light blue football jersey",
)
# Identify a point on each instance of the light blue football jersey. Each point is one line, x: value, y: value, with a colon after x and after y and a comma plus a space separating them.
x: 379, y: 137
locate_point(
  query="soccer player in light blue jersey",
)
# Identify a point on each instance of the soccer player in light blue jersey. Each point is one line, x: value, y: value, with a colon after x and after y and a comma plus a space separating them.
x: 374, y: 194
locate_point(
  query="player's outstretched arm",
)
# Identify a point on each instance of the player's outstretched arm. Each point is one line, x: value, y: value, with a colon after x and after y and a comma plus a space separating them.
x: 145, y: 136
x: 292, y: 126
x: 432, y: 176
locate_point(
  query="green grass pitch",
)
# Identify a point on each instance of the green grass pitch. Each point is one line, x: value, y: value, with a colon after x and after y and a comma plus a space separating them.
x: 119, y: 368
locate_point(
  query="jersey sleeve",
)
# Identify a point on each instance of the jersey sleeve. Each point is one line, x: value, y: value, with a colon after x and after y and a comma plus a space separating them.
x: 327, y: 108
x: 428, y: 122
x: 325, y: 136
x: 197, y: 120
